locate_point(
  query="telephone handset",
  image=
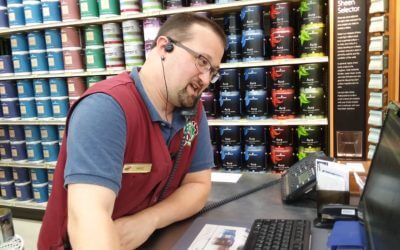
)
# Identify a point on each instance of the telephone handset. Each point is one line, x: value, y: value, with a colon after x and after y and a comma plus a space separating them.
x: 300, y: 178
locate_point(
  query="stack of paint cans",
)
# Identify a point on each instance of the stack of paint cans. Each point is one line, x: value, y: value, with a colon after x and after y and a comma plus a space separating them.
x: 5, y: 147
x: 3, y: 15
x: 40, y: 184
x: 51, y: 11
x: 312, y: 32
x: 311, y: 96
x: 89, y: 9
x: 230, y: 148
x: 16, y: 16
x: 26, y: 99
x: 108, y: 8
x: 282, y: 147
x: 151, y: 26
x: 72, y: 50
x: 94, y: 50
x: 129, y: 6
x: 233, y: 31
x: 76, y: 87
x: 9, y: 100
x: 55, y: 57
x: 151, y: 5
x: 70, y: 10
x: 281, y: 34
x: 18, y: 143
x: 229, y: 94
x: 255, y: 100
x: 255, y: 154
x: 252, y: 42
x: 133, y: 43
x: 20, y: 54
x: 283, y: 92
x: 113, y: 46
x: 38, y: 53
x: 42, y: 97
x: 59, y: 97
x: 310, y: 140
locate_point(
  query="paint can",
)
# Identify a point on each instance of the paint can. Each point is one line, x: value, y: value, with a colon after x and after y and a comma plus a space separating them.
x: 232, y: 23
x: 280, y: 15
x: 4, y: 24
x: 311, y: 11
x: 94, y: 58
x: 16, y: 133
x: 93, y: 35
x: 311, y: 75
x: 39, y: 62
x: 8, y: 89
x: 23, y: 191
x: 18, y: 152
x: 254, y: 78
x: 231, y: 157
x: 254, y: 135
x: 60, y: 106
x: 19, y: 42
x: 41, y: 87
x: 112, y: 33
x: 55, y: 59
x: 51, y: 11
x: 151, y: 26
x: 282, y: 44
x: 114, y: 55
x: 53, y: 39
x: 312, y: 102
x: 21, y: 63
x: 25, y: 88
x: 34, y: 151
x: 76, y: 86
x: 44, y: 108
x: 73, y: 60
x: 282, y: 77
x: 91, y: 80
x: 32, y: 133
x: 229, y: 105
x: 48, y: 133
x: 108, y: 8
x: 251, y: 17
x: 50, y: 151
x: 39, y: 175
x: 40, y: 192
x: 16, y: 16
x: 4, y: 133
x: 255, y: 158
x: 282, y: 157
x: 10, y: 107
x: 134, y: 55
x: 229, y: 80
x: 310, y: 136
x: 312, y: 40
x: 89, y: 9
x: 129, y: 6
x: 255, y: 103
x: 281, y: 135
x: 33, y: 12
x: 70, y: 10
x: 283, y: 103
x: 7, y: 190
x: 36, y: 41
x: 253, y: 45
x: 303, y: 152
x: 209, y: 103
x: 151, y: 5
x: 58, y: 87
x: 28, y: 108
x: 6, y: 65
x: 229, y: 135
x: 233, y: 50
x: 70, y: 37
x: 5, y: 150
x: 6, y: 174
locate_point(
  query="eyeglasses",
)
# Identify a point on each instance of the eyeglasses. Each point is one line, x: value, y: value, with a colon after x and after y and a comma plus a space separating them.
x: 201, y: 62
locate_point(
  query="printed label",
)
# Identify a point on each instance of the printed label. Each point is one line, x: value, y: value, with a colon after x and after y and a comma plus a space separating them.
x: 46, y: 153
x: 30, y: 155
x: 51, y: 61
x: 2, y: 90
x: 64, y: 38
x: 53, y: 88
x: 68, y: 60
x: 16, y: 64
x: 28, y: 14
x: 65, y: 10
x: 43, y: 133
x: 71, y: 87
x: 105, y: 4
x: 56, y: 109
x: 33, y: 174
x: 28, y: 133
x: 48, y: 39
x: 34, y: 62
x: 90, y: 59
x: 36, y: 195
x: 46, y: 11
x: 38, y: 89
x: 1, y: 65
x: 12, y: 133
x: 89, y: 36
x: 14, y: 43
x: 11, y: 16
x: 20, y: 89
x: 40, y: 109
x: 84, y: 7
x: 14, y: 154
x: 32, y: 41
x: 23, y: 110
x: 5, y: 110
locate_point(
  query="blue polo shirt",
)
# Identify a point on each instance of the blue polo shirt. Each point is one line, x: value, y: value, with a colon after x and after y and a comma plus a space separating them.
x: 97, y: 137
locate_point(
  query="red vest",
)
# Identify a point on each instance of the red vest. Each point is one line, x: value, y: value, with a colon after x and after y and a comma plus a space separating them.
x: 144, y: 144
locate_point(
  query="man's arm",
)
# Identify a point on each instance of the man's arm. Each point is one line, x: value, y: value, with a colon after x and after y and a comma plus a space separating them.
x: 187, y: 200
x: 89, y: 217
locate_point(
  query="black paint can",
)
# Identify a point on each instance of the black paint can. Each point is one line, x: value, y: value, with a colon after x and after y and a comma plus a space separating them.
x: 209, y: 103
x: 281, y: 41
x: 254, y: 135
x: 229, y: 135
x: 280, y: 15
x: 229, y: 104
x: 283, y: 103
x: 255, y: 158
x: 253, y: 45
x: 281, y: 135
x: 282, y: 77
x: 312, y: 102
x: 311, y: 11
x: 255, y: 103
x: 311, y: 75
x: 233, y: 52
x: 232, y: 23
x: 311, y: 40
x: 251, y: 17
x: 213, y: 134
x: 310, y: 136
x: 229, y: 80
x: 254, y: 78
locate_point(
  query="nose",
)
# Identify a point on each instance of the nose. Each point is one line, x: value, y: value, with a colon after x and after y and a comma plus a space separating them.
x: 205, y: 78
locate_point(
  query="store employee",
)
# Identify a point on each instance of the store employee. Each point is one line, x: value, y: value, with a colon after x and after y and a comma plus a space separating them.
x: 123, y: 136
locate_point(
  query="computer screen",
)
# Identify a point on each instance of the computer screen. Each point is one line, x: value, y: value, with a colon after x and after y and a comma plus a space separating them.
x: 380, y: 201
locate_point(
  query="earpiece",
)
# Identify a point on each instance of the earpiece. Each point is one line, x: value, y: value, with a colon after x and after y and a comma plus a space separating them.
x: 162, y: 58
x: 169, y: 47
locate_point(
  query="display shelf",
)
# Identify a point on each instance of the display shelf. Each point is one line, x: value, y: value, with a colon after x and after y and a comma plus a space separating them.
x: 27, y: 164
x: 213, y: 8
x: 266, y: 63
x: 32, y: 122
x: 23, y: 204
x: 268, y: 122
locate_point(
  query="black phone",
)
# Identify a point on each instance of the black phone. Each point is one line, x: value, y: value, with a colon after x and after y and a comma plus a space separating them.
x: 300, y: 178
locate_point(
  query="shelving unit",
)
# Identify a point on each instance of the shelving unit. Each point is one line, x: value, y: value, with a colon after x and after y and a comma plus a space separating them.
x: 27, y: 164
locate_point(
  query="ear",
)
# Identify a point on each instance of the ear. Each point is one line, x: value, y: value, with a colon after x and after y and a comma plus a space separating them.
x: 161, y: 42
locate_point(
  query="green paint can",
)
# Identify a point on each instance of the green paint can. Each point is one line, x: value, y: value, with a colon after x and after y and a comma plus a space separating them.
x: 89, y: 9
x: 94, y: 58
x: 108, y: 8
x: 312, y: 39
x: 312, y: 102
x: 91, y: 80
x: 93, y: 35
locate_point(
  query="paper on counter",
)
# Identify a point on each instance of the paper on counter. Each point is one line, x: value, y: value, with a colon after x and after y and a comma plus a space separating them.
x: 355, y: 167
x: 225, y: 177
x: 331, y: 176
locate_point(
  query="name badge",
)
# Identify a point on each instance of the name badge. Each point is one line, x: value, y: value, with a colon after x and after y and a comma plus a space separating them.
x: 137, y: 168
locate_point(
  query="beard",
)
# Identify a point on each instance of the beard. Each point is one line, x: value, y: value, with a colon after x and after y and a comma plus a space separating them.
x: 186, y: 100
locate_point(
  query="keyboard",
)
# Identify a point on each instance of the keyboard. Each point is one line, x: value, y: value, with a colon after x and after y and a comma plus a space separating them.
x: 279, y: 234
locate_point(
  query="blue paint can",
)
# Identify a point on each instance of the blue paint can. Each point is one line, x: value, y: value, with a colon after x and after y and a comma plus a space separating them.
x: 18, y: 151
x: 5, y: 150
x: 48, y: 133
x: 41, y: 87
x: 19, y: 42
x: 3, y: 17
x: 16, y: 16
x: 50, y: 151
x: 25, y: 88
x: 8, y: 89
x: 21, y: 175
x: 10, y: 107
x: 229, y: 80
x: 58, y: 87
x: 51, y: 11
x: 39, y: 62
x: 254, y: 78
x: 255, y: 158
x: 229, y: 135
x: 21, y: 63
x: 34, y: 151
x: 231, y: 157
x: 50, y: 175
x: 39, y: 175
x: 55, y: 59
x: 4, y: 133
x: 6, y: 65
x: 32, y: 133
x: 60, y: 106
x: 61, y: 129
x: 28, y: 108
x: 40, y: 192
x: 36, y: 40
x: 33, y: 12
x: 254, y: 135
x: 7, y: 190
x: 251, y: 17
x: 53, y: 39
x: 253, y: 45
x: 16, y: 132
x: 6, y: 174
x: 44, y: 107
x: 256, y: 104
x: 233, y: 50
x: 229, y: 103
x: 23, y: 191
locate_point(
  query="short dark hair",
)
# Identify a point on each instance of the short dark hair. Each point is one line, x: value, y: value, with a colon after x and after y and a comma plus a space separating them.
x: 178, y: 27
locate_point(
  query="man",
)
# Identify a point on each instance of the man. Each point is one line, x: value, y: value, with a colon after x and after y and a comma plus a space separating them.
x: 114, y: 183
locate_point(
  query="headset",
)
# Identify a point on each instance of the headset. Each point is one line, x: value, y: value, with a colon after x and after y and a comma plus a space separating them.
x: 169, y: 47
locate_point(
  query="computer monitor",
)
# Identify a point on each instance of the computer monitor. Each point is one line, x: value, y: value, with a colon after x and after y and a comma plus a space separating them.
x: 379, y: 206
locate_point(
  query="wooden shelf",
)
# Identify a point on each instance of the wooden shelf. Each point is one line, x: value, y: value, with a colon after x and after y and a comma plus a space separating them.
x: 269, y: 122
x: 27, y: 164
x: 213, y: 8
x: 23, y: 204
x: 266, y: 63
x: 32, y: 122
